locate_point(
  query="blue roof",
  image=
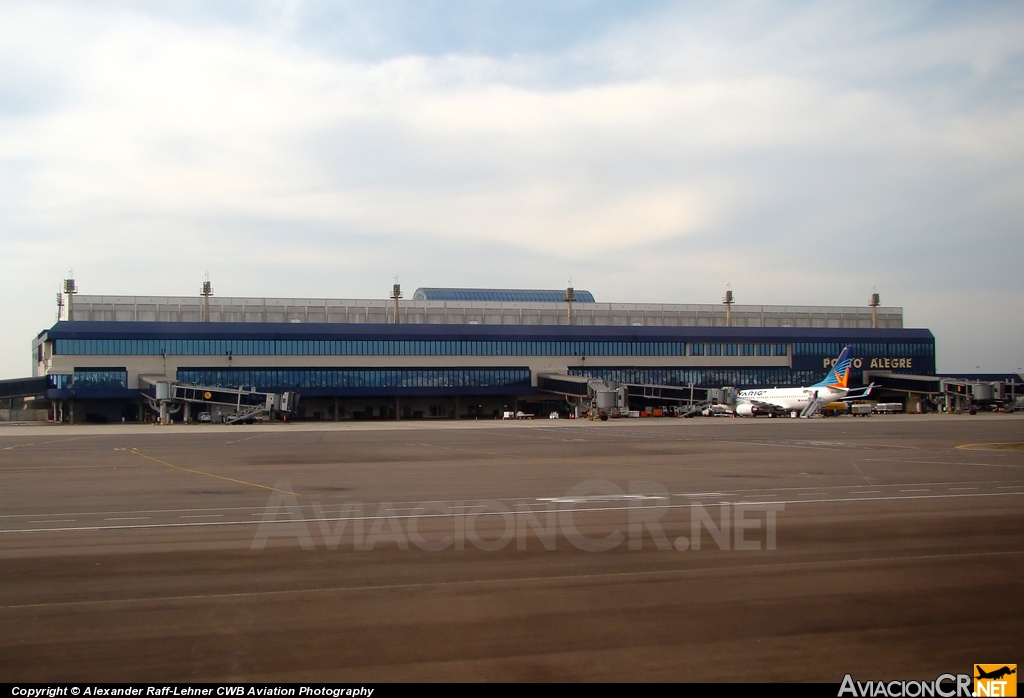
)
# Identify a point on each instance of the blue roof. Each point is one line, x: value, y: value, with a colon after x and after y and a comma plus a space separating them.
x: 499, y: 294
x: 80, y: 329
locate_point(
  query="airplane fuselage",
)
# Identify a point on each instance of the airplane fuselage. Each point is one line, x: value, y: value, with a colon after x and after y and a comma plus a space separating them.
x: 788, y: 399
x: 834, y: 386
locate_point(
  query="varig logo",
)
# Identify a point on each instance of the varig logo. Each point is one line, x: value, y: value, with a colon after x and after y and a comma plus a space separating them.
x: 995, y: 680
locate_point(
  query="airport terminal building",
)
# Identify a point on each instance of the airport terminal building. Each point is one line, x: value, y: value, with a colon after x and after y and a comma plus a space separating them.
x: 446, y: 353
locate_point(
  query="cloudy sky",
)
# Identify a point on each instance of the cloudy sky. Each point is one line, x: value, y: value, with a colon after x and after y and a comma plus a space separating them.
x: 805, y: 152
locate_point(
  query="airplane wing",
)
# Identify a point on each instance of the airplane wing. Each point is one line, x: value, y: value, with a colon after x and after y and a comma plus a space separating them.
x: 857, y: 394
x: 766, y: 407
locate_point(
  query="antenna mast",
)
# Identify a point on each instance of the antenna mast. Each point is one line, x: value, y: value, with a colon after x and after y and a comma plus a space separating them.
x: 396, y: 293
x: 206, y: 292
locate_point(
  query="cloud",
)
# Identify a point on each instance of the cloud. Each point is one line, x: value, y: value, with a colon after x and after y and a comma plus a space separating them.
x: 805, y: 153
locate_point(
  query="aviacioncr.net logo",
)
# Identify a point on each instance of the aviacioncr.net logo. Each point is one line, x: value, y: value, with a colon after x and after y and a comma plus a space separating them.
x: 945, y: 686
x: 997, y: 680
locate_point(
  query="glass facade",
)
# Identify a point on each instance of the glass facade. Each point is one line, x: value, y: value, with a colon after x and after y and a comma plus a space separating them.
x: 804, y: 362
x: 59, y: 381
x: 274, y: 379
x: 562, y: 386
x: 361, y: 347
x: 728, y: 349
x: 93, y: 378
x: 760, y: 377
x: 832, y: 349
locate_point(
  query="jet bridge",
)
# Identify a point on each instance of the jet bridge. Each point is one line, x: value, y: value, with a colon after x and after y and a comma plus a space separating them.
x: 954, y: 394
x: 167, y: 397
x: 600, y: 397
x: 24, y: 387
x: 690, y: 399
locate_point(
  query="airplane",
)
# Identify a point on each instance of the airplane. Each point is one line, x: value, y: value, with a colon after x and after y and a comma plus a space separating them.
x: 995, y: 674
x: 798, y: 402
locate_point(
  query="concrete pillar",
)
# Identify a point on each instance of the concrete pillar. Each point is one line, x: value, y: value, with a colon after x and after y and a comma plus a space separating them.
x: 336, y: 415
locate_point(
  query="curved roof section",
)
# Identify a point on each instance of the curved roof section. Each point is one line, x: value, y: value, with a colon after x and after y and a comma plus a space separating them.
x: 499, y: 294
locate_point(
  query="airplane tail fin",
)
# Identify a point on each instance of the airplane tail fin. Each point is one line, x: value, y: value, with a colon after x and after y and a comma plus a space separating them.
x: 839, y: 375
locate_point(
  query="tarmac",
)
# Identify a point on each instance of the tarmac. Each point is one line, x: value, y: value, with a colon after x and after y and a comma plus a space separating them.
x: 709, y: 549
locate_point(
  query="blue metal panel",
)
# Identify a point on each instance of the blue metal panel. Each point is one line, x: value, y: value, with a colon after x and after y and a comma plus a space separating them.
x: 93, y: 394
x: 368, y: 381
x: 419, y: 392
x: 325, y: 331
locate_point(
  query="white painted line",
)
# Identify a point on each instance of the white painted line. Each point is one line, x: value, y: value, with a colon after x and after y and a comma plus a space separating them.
x: 201, y: 516
x: 139, y: 511
x: 596, y: 498
x: 55, y: 521
x: 941, y: 462
x: 893, y: 484
x: 811, y: 494
x: 924, y: 490
x: 847, y: 500
x: 128, y: 518
x: 963, y: 488
x: 867, y: 492
x: 1008, y: 487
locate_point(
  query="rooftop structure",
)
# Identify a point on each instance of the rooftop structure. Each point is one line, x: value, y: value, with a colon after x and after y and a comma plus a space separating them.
x: 506, y: 295
x: 473, y: 312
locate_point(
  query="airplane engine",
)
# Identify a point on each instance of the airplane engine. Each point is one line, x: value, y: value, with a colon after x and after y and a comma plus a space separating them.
x: 746, y: 411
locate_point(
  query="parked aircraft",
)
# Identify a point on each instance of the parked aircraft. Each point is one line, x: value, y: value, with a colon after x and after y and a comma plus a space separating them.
x: 803, y: 402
